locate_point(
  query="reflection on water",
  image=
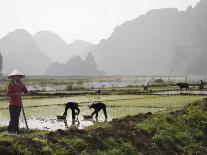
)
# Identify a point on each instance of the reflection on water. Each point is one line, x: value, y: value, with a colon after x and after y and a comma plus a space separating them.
x: 189, y: 92
x: 54, y: 124
x: 44, y: 118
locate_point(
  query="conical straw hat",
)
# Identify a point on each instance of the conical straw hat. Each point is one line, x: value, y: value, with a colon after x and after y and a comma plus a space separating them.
x: 16, y: 72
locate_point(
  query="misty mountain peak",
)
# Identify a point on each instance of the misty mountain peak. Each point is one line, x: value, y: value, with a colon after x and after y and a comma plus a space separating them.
x: 80, y: 42
x: 18, y: 36
x: 48, y: 36
x: 145, y: 45
x: 163, y: 11
x: 21, y: 32
x: 17, y: 39
x: 75, y: 66
x: 202, y: 3
x: 20, y: 51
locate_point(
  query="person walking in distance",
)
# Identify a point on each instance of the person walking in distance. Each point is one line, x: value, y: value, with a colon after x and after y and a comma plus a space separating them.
x: 202, y: 84
x: 146, y: 85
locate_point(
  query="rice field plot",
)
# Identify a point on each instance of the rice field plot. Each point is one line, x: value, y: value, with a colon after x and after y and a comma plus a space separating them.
x: 84, y: 99
x: 157, y: 101
x: 41, y: 113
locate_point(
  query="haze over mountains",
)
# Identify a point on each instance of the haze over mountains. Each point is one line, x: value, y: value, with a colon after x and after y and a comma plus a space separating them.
x: 20, y: 51
x: 75, y: 66
x: 57, y: 49
x: 163, y: 41
x: 32, y: 54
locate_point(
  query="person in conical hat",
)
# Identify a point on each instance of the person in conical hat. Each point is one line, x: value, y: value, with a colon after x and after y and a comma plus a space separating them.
x: 14, y: 91
x: 16, y: 73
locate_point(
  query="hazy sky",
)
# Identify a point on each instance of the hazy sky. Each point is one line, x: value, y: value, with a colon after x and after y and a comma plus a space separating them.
x: 89, y: 20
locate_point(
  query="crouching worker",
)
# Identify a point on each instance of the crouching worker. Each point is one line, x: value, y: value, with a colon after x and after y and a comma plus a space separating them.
x: 14, y: 91
x: 97, y: 106
x: 74, y: 107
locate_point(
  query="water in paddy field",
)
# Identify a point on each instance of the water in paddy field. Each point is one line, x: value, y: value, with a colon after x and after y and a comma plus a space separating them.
x: 41, y: 112
x: 188, y: 92
x: 106, y: 83
x: 44, y: 118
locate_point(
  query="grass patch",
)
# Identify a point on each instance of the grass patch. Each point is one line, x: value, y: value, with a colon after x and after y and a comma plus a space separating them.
x: 99, y: 125
x: 179, y: 131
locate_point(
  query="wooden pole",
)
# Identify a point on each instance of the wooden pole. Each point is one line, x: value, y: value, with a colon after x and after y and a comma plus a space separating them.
x: 25, y: 119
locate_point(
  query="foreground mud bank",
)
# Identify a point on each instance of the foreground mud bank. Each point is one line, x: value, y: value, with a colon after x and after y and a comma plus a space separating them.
x: 173, y: 132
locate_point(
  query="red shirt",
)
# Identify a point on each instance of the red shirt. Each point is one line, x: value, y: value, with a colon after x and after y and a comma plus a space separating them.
x: 13, y: 88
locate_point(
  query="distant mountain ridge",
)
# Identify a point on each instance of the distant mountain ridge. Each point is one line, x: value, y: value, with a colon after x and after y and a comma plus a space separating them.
x: 76, y: 66
x: 29, y: 53
x: 190, y: 55
x: 20, y: 51
x: 163, y: 41
x: 57, y: 49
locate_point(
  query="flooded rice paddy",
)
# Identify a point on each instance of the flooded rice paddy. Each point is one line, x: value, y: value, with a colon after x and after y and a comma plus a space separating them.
x: 187, y: 92
x: 41, y: 113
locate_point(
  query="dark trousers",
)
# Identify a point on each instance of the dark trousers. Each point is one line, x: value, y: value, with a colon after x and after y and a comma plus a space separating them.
x: 145, y: 89
x: 73, y: 114
x: 14, y: 118
x: 105, y: 113
x: 97, y: 111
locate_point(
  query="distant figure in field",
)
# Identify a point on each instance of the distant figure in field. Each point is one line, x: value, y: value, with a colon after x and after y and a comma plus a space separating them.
x: 97, y: 106
x: 146, y: 85
x: 98, y: 92
x: 74, y: 107
x: 201, y: 85
x: 183, y: 85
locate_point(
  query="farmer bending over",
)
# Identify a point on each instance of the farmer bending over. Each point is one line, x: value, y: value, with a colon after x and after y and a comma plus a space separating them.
x: 97, y: 106
x: 73, y: 106
x: 14, y: 91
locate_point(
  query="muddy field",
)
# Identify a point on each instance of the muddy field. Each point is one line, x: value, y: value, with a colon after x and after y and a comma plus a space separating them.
x: 41, y: 113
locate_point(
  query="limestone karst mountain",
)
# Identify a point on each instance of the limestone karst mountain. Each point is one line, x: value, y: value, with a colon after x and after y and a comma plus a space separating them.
x: 75, y: 66
x: 20, y: 51
x: 57, y: 49
x: 162, y: 41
